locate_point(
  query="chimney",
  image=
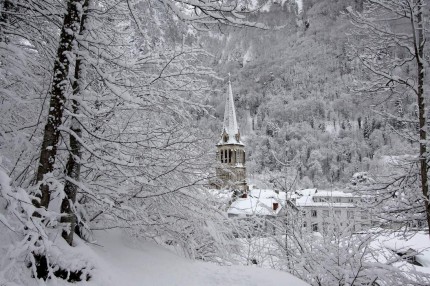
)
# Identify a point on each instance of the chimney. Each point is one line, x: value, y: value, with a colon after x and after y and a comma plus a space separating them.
x: 275, y: 206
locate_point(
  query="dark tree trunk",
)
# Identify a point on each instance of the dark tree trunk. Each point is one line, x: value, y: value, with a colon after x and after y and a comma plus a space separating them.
x: 419, y: 51
x: 6, y: 6
x: 56, y: 105
x: 73, y: 166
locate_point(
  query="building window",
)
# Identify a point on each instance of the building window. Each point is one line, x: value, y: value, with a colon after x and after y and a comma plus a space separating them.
x: 314, y: 227
x: 314, y: 213
x: 364, y: 215
x: 325, y: 213
x: 350, y: 214
x: 303, y: 213
x: 325, y: 227
x: 304, y: 224
x: 350, y: 200
x: 338, y: 200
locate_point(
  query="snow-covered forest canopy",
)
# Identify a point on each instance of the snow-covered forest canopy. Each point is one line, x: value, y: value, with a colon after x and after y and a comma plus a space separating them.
x: 111, y: 110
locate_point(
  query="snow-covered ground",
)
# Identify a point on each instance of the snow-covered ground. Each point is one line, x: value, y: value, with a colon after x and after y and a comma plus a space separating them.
x: 127, y: 262
x: 119, y: 260
x: 417, y: 244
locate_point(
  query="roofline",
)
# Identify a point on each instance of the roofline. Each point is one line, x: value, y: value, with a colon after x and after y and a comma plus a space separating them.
x: 230, y: 144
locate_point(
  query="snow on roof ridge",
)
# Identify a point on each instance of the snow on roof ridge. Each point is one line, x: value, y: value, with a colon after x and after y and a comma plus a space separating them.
x: 337, y: 193
x: 258, y: 203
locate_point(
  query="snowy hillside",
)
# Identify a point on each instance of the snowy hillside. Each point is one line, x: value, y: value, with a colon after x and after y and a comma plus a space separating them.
x: 119, y: 260
x: 149, y: 264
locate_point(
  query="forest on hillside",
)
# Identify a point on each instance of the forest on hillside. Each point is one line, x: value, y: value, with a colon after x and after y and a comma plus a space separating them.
x: 297, y: 91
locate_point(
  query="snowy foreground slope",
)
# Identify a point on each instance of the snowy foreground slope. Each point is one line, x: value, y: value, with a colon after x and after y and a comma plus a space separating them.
x: 149, y: 264
x: 119, y: 260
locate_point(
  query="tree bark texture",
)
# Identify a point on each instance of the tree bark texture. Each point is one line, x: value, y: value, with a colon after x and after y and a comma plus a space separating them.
x: 57, y: 100
x: 6, y: 7
x: 73, y: 166
x: 419, y: 51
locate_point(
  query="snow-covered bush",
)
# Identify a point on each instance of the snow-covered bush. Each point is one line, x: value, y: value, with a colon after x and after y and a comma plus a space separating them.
x: 31, y: 238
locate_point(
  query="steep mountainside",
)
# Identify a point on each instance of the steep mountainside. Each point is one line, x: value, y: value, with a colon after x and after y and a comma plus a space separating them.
x: 294, y: 91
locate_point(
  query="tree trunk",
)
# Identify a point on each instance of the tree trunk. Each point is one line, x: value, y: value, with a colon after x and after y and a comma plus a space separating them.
x: 6, y: 6
x: 73, y: 166
x: 419, y: 51
x: 56, y: 105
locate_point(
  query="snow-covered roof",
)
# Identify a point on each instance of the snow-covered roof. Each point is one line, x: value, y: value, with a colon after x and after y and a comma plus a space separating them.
x: 230, y: 125
x: 306, y: 192
x: 307, y: 201
x: 258, y: 202
x: 323, y: 193
x: 335, y: 193
x: 305, y: 198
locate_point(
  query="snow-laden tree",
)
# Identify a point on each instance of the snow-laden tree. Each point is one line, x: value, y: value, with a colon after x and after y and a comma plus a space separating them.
x: 336, y: 254
x: 120, y: 146
x: 27, y: 46
x: 393, y: 50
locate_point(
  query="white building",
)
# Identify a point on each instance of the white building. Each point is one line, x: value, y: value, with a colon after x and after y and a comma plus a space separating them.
x: 321, y: 209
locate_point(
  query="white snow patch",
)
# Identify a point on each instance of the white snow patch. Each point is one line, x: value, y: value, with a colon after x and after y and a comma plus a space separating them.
x: 299, y: 6
x: 133, y: 262
x: 117, y: 259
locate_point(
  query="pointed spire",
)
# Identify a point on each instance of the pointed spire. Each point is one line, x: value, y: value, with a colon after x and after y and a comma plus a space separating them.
x: 230, y: 126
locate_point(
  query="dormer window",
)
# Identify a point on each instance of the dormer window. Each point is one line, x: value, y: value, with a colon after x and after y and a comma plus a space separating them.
x: 225, y: 137
x: 237, y: 136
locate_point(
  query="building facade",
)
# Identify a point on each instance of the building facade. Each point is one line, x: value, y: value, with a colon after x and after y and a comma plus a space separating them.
x: 323, y: 209
x: 230, y: 155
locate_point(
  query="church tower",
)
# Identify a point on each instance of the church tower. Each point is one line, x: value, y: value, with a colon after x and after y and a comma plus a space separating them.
x: 230, y: 155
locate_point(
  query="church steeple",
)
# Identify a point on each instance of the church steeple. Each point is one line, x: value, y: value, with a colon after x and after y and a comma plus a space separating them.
x: 231, y: 171
x: 230, y: 130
